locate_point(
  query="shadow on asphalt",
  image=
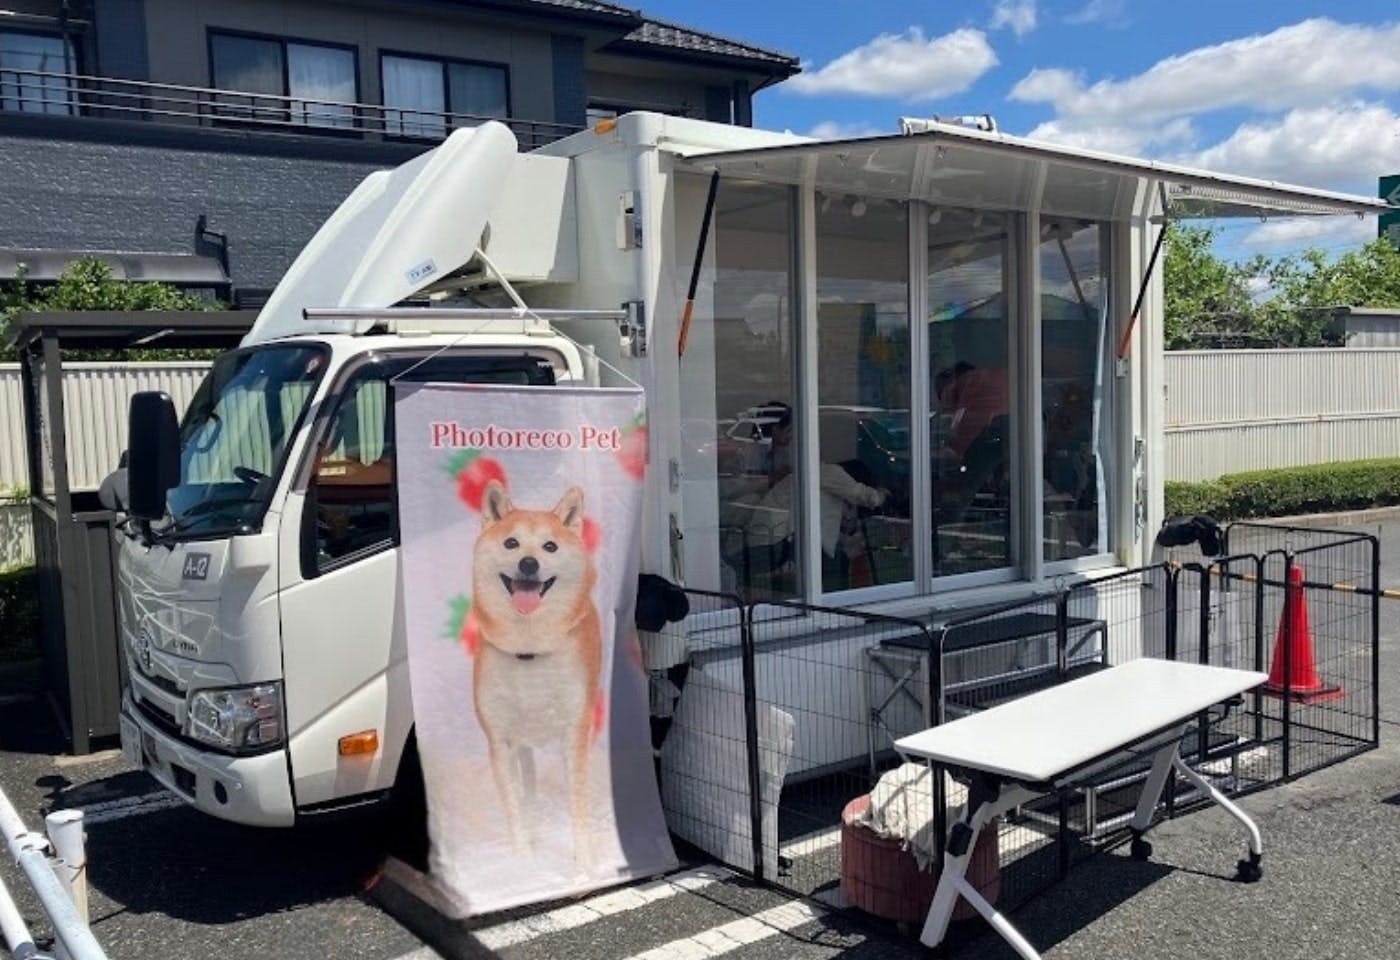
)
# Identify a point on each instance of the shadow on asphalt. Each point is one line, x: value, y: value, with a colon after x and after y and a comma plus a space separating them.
x: 168, y: 861
x: 1091, y: 890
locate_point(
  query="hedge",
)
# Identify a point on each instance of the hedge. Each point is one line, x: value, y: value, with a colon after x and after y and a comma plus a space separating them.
x: 1290, y: 491
x: 19, y: 613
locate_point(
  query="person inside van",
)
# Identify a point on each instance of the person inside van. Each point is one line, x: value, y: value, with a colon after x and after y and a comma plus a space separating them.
x: 769, y: 527
x: 978, y: 443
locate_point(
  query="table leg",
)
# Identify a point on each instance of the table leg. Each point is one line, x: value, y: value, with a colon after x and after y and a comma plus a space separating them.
x: 1152, y: 793
x: 1248, y: 870
x: 1168, y: 758
x: 986, y: 799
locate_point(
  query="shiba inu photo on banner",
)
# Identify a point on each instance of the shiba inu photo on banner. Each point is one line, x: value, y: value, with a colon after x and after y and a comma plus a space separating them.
x: 519, y: 517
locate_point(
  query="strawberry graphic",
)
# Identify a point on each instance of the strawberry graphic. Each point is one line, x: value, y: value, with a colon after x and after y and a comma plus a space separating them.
x: 633, y: 452
x: 592, y: 534
x: 473, y: 471
x: 462, y: 626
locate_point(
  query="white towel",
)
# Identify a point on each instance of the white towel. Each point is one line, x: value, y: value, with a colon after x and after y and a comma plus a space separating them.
x: 901, y: 808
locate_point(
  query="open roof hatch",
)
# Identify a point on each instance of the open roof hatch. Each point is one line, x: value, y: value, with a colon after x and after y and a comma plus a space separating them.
x: 406, y: 232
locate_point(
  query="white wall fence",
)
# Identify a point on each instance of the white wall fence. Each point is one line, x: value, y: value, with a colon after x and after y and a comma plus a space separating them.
x: 1234, y: 410
x: 95, y: 398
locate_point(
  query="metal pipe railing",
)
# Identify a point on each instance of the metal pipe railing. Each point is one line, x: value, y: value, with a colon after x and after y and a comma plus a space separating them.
x: 43, y: 91
x: 72, y: 935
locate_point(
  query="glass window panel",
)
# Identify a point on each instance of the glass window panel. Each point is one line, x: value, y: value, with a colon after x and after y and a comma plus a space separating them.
x: 863, y: 394
x: 320, y: 74
x: 740, y: 460
x: 26, y: 91
x: 244, y: 63
x: 416, y: 96
x: 971, y: 430
x: 1074, y: 291
x: 252, y: 65
x: 477, y: 91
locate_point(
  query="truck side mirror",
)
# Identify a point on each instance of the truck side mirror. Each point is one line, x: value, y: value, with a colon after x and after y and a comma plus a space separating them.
x: 153, y: 466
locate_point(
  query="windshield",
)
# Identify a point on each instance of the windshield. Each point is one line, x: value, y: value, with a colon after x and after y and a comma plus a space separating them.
x: 235, y: 434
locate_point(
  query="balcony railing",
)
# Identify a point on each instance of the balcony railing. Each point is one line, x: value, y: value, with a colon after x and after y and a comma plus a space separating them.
x: 72, y: 94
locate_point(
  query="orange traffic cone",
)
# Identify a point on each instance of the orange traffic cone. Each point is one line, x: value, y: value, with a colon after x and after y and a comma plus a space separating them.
x: 1295, y: 637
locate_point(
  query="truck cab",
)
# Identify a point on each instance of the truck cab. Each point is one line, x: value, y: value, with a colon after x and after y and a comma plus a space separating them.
x: 258, y: 617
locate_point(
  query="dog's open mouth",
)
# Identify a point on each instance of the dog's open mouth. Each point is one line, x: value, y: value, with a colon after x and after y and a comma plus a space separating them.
x: 526, y: 594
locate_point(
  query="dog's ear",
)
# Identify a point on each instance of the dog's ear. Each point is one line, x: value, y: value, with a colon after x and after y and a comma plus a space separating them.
x: 570, y: 508
x: 495, y: 502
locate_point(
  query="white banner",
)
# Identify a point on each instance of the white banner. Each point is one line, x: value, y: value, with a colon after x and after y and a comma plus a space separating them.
x: 519, y: 511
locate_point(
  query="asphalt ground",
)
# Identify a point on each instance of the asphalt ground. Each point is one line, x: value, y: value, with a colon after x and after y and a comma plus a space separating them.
x: 167, y: 882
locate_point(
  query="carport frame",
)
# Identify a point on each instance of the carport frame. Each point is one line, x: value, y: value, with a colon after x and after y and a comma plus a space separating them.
x: 83, y: 669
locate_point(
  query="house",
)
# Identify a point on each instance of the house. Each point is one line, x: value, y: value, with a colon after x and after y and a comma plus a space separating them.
x: 202, y: 144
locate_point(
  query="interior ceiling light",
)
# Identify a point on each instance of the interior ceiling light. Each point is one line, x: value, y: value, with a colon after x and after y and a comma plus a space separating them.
x: 858, y: 208
x: 934, y: 216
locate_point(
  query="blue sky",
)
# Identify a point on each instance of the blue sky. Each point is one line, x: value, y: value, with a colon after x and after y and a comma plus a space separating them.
x: 1300, y: 92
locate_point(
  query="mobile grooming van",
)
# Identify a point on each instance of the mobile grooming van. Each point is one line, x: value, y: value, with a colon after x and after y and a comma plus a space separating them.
x: 900, y: 373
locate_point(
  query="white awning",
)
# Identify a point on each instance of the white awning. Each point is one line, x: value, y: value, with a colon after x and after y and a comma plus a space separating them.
x: 960, y: 166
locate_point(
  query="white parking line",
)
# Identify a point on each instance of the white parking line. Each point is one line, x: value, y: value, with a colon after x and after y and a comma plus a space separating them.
x: 595, y: 908
x: 110, y: 810
x: 737, y: 933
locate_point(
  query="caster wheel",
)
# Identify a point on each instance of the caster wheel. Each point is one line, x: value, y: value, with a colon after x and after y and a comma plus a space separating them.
x: 1141, y: 849
x: 1249, y: 871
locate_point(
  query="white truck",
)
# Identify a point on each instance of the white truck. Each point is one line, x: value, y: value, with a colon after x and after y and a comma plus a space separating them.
x: 258, y: 607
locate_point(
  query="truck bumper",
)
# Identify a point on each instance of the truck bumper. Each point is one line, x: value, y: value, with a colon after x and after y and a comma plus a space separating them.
x: 251, y: 790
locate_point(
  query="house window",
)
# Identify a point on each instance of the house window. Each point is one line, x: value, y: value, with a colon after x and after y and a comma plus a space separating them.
x: 423, y: 96
x: 314, y: 83
x: 26, y: 60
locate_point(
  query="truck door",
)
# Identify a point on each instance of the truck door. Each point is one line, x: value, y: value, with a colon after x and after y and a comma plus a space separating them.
x: 344, y: 661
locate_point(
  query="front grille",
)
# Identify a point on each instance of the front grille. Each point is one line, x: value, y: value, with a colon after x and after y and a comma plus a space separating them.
x: 164, y: 683
x: 161, y: 718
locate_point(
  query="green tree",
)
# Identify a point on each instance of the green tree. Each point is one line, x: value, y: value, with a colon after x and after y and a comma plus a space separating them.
x: 1203, y: 294
x: 1309, y: 287
x: 87, y: 283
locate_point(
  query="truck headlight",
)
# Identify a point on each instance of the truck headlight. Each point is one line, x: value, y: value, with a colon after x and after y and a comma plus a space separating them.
x: 237, y: 718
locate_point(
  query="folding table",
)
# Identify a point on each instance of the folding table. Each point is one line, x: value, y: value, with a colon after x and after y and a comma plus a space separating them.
x: 1042, y: 743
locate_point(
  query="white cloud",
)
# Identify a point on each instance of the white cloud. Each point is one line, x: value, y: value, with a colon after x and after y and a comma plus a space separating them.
x: 1305, y: 64
x: 1345, y: 147
x: 1109, y: 12
x: 903, y: 65
x: 836, y: 130
x: 1302, y: 232
x: 1019, y: 15
x: 1122, y: 139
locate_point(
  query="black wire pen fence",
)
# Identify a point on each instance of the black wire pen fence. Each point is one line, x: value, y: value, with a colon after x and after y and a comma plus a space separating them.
x: 777, y: 733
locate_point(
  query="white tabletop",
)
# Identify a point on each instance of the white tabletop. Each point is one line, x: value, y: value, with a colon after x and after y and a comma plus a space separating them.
x: 1038, y: 737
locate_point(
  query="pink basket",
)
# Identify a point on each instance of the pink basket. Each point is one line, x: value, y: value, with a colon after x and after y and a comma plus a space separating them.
x: 885, y: 881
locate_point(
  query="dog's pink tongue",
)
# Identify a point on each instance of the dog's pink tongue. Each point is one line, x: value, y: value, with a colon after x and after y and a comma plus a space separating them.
x: 526, y: 601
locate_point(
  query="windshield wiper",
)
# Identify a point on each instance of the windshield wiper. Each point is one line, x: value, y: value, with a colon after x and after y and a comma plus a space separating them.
x: 198, y: 509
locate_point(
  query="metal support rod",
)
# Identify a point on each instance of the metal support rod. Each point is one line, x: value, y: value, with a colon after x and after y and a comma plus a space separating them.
x: 751, y: 738
x: 699, y: 259
x: 1146, y: 279
x: 14, y: 929
x: 458, y: 313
